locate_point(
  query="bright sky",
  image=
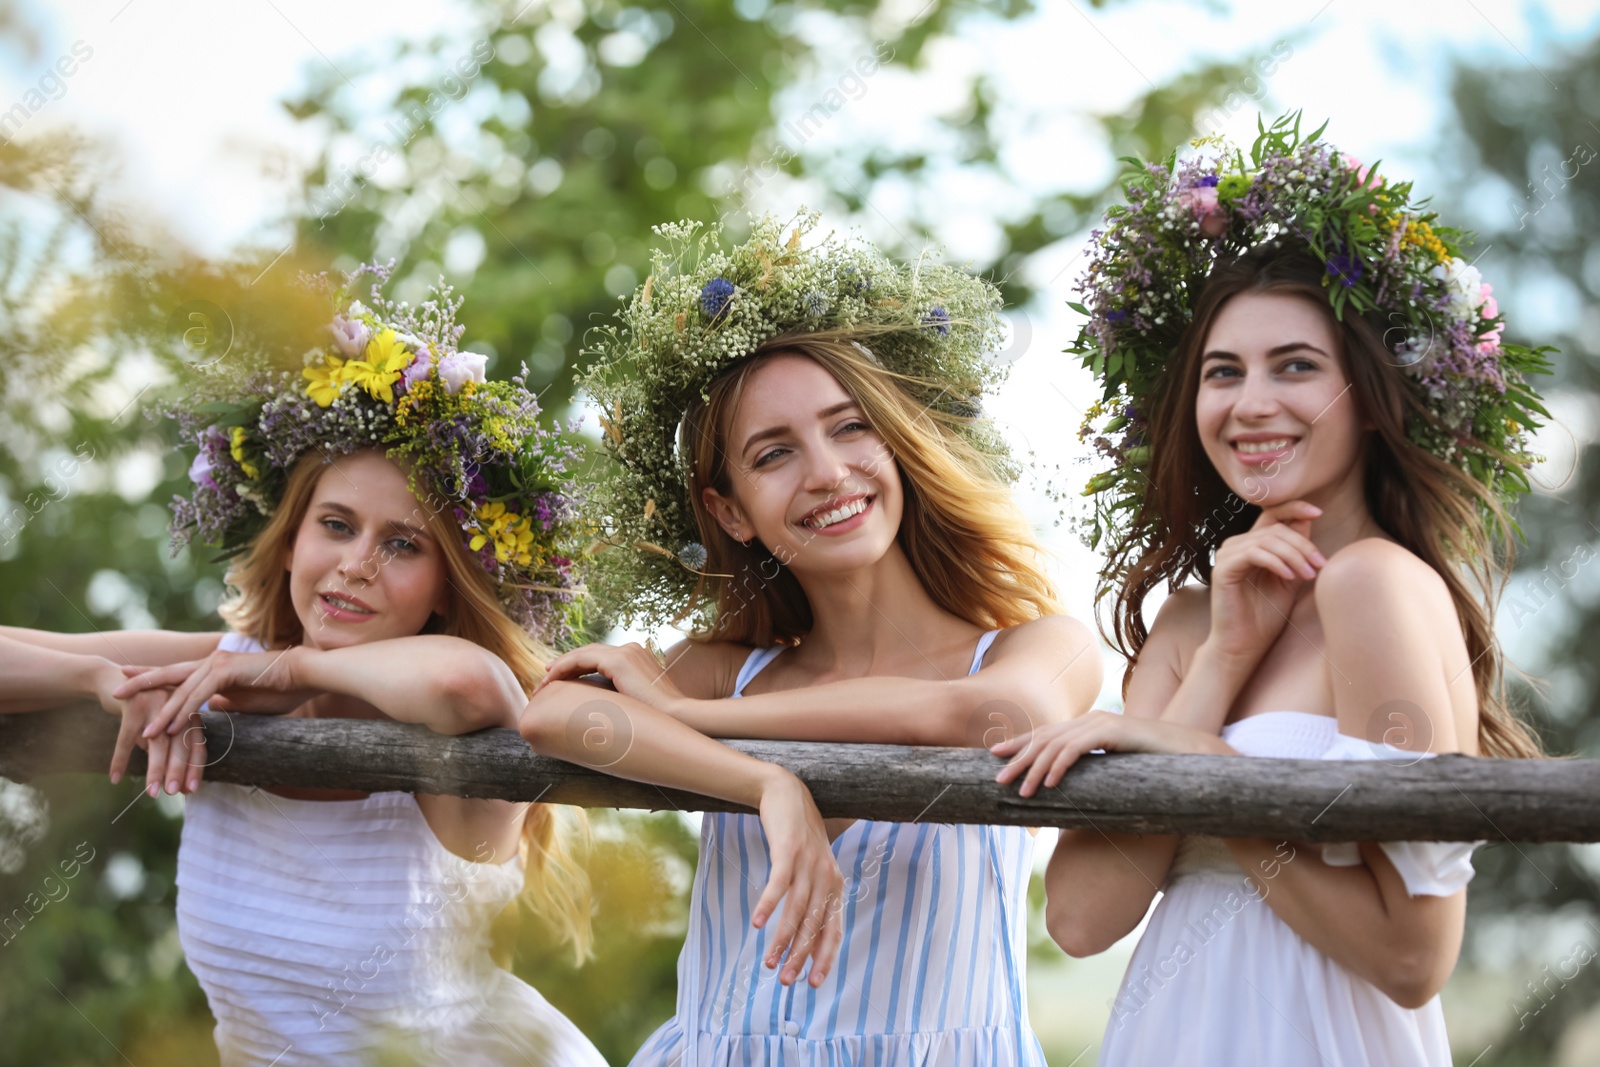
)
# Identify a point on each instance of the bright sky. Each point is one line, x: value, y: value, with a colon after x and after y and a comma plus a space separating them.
x: 189, y: 92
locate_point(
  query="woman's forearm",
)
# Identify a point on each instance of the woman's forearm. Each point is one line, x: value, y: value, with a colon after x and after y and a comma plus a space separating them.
x: 1211, y: 683
x: 1362, y: 917
x: 1098, y: 886
x: 32, y: 676
x: 879, y: 710
x: 961, y: 712
x: 445, y: 683
x: 144, y: 648
x: 603, y: 729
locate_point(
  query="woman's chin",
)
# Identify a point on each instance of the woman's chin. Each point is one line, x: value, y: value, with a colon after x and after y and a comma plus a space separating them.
x: 326, y: 634
x: 840, y: 559
x: 1264, y: 494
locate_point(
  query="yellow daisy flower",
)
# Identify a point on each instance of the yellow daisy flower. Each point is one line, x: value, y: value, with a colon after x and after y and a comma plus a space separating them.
x: 386, y: 357
x: 510, y: 534
x: 326, y: 380
x: 236, y: 449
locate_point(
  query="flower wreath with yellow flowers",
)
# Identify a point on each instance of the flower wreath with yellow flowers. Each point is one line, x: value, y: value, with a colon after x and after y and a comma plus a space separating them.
x: 391, y: 378
x: 1386, y: 256
x: 704, y: 308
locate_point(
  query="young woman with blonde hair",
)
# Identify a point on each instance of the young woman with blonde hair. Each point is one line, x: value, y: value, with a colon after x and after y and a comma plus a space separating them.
x: 407, y: 537
x: 835, y: 521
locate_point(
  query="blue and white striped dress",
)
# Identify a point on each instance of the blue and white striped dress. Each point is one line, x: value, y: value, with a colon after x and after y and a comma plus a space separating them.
x: 932, y: 971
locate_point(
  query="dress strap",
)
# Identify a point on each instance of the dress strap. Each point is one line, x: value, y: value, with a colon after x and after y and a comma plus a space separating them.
x: 753, y: 665
x: 234, y: 641
x: 983, y: 647
x: 760, y: 657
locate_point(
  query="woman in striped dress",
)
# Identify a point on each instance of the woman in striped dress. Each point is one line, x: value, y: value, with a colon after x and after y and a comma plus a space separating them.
x: 887, y: 591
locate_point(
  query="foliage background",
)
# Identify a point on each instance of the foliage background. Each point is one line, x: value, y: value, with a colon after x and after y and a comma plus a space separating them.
x: 534, y: 190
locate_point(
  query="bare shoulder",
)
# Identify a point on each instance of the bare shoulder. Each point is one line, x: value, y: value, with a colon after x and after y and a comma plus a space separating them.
x: 1180, y: 628
x: 1375, y: 574
x: 705, y: 670
x: 1058, y: 647
x: 1048, y: 633
x: 1183, y: 621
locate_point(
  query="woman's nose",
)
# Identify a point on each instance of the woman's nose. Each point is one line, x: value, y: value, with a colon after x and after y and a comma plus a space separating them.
x: 826, y: 467
x: 360, y: 562
x: 1256, y: 398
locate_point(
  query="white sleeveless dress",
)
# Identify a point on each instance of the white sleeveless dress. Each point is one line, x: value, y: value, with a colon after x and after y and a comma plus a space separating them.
x: 330, y: 932
x: 931, y: 973
x: 1218, y: 980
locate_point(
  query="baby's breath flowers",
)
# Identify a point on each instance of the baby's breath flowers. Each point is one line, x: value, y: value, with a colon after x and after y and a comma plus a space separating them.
x: 703, y: 309
x: 1384, y: 254
x: 392, y: 378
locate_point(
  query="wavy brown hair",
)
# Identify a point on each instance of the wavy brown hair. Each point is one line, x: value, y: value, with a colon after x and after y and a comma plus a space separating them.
x: 260, y: 607
x: 966, y: 540
x: 1427, y: 505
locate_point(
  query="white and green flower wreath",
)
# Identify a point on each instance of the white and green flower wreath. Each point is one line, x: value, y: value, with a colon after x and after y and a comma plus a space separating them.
x: 704, y: 308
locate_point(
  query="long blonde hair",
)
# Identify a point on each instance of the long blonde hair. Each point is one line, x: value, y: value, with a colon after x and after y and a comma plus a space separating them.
x: 259, y: 606
x: 967, y: 541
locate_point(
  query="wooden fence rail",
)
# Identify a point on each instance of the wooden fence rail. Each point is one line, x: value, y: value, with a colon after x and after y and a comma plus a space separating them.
x: 1451, y: 798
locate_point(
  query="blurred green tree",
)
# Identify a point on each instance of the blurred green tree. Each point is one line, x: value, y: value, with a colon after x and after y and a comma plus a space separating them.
x: 1529, y: 163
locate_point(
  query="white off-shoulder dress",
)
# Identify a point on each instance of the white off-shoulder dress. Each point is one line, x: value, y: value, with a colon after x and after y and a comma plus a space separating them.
x: 1218, y: 980
x: 330, y: 932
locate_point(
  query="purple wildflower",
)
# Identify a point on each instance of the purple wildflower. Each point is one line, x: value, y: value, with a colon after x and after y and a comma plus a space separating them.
x: 419, y: 367
x: 350, y: 336
x: 1347, y: 268
x: 716, y: 296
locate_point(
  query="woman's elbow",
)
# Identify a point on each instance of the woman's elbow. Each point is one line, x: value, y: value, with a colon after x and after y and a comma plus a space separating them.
x: 478, y: 695
x: 543, y: 722
x: 534, y: 724
x: 1413, y: 978
x: 972, y: 717
x: 1071, y: 929
x: 1410, y: 993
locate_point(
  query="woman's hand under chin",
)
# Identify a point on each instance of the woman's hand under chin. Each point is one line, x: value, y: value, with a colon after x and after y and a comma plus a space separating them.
x: 1256, y: 578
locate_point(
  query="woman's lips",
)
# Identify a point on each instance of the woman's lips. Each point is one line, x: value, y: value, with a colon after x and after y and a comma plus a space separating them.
x: 335, y: 610
x: 847, y: 524
x: 1259, y: 453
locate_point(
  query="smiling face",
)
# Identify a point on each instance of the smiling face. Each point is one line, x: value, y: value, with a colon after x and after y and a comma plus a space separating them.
x: 1274, y: 408
x: 364, y: 566
x: 807, y: 474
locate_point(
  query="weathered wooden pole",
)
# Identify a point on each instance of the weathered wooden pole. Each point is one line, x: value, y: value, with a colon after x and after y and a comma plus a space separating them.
x: 1451, y: 798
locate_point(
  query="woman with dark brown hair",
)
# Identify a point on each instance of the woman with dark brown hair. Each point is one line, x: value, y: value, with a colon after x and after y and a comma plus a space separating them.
x: 1322, y: 501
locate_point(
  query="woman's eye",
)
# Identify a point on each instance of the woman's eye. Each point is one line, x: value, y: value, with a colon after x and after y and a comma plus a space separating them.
x: 401, y: 544
x: 1299, y: 365
x: 336, y: 526
x: 767, y: 456
x: 1219, y: 371
x: 854, y: 426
